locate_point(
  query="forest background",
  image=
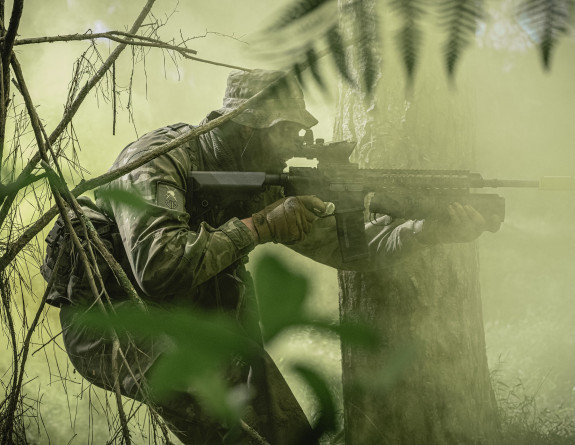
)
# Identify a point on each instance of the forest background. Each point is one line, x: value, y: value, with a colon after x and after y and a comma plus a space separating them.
x: 521, y: 118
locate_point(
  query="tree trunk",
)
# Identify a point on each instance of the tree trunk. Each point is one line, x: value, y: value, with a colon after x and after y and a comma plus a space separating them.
x: 429, y: 382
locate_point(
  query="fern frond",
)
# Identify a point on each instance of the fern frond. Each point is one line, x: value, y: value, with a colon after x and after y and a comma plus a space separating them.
x: 311, y: 58
x: 297, y: 11
x: 298, y: 70
x: 338, y: 53
x: 367, y: 41
x: 408, y: 38
x: 460, y: 18
x: 546, y: 21
x: 294, y: 40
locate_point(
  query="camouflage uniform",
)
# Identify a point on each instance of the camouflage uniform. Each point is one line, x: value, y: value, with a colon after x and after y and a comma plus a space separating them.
x: 169, y: 242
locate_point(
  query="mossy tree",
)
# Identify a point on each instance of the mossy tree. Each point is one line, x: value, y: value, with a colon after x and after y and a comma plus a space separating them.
x: 429, y: 382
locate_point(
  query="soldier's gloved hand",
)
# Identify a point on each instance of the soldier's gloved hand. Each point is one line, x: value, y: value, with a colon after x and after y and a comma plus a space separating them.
x: 465, y: 224
x: 288, y: 219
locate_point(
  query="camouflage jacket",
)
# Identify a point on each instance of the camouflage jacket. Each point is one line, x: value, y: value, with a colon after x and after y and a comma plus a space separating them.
x: 178, y: 252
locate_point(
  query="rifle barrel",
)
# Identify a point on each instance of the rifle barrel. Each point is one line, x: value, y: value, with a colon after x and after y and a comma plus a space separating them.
x: 546, y: 183
x: 518, y: 183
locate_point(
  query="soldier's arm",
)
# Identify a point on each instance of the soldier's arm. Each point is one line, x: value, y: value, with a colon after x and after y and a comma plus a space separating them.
x: 165, y: 255
x: 387, y: 243
x: 392, y: 242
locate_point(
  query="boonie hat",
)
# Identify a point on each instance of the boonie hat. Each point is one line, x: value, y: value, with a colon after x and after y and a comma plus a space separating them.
x: 285, y: 101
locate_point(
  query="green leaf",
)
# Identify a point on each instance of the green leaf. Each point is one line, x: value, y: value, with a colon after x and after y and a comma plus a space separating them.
x: 359, y: 334
x: 408, y: 38
x: 338, y: 53
x: 311, y: 58
x: 296, y: 11
x: 126, y: 197
x: 281, y: 296
x: 203, y: 346
x: 366, y: 30
x: 326, y: 421
x: 545, y: 21
x: 460, y: 18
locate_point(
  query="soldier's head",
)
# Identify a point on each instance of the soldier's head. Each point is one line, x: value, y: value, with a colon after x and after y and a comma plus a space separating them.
x: 271, y: 126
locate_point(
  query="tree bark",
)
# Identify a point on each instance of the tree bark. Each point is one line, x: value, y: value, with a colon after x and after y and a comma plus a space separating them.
x: 429, y: 382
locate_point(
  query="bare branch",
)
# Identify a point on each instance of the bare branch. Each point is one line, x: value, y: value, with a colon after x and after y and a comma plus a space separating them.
x: 73, y: 108
x: 3, y: 111
x: 10, y: 35
x: 7, y: 423
x: 26, y: 345
x: 96, y: 78
x: 129, y: 39
x: 149, y: 42
x: 253, y: 433
x: 114, y: 97
x: 9, y: 38
x: 117, y: 392
x: 58, y: 186
x: 14, y: 187
x: 211, y: 62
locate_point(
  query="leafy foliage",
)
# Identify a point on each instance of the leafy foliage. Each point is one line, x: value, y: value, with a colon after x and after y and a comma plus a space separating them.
x: 366, y: 26
x: 297, y: 11
x: 326, y: 420
x: 546, y: 21
x: 523, y: 421
x: 306, y: 19
x: 409, y: 37
x: 335, y: 42
x: 282, y: 299
x: 204, y: 342
x: 460, y: 18
x: 126, y: 197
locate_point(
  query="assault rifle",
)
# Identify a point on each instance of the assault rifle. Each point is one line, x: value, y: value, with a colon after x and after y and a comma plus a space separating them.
x: 410, y: 194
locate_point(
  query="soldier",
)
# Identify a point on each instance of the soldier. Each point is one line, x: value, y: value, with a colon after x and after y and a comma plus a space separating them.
x: 167, y: 243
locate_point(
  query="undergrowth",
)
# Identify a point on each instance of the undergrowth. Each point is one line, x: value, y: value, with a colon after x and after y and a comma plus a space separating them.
x: 523, y: 422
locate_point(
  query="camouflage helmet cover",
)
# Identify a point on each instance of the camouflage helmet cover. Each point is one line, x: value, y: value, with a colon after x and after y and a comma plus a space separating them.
x: 284, y: 103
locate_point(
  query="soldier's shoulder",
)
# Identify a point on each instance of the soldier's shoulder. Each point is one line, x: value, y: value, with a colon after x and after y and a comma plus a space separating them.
x: 152, y: 140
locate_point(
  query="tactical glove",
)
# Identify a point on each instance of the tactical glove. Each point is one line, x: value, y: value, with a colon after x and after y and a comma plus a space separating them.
x: 287, y: 220
x: 465, y: 224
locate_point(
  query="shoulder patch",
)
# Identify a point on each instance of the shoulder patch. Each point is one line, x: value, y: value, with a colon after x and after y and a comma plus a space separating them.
x: 170, y: 197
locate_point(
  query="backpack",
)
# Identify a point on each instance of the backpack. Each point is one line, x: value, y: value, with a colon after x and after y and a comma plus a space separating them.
x: 70, y: 284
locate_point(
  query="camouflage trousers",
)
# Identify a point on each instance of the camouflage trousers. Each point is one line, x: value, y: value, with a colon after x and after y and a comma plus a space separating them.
x: 273, y: 412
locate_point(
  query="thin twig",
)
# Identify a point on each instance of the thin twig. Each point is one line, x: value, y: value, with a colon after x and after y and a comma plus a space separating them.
x: 58, y: 186
x: 111, y: 35
x: 117, y: 392
x: 114, y: 93
x: 5, y: 55
x: 74, y: 106
x: 253, y: 433
x: 211, y: 62
x: 12, y: 31
x: 130, y: 39
x: 7, y: 420
x: 32, y: 328
x: 3, y: 114
x: 14, y: 187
